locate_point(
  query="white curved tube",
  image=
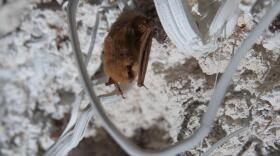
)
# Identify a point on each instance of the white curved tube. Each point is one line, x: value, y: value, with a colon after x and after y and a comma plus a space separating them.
x: 74, y: 114
x: 182, y: 28
x: 168, y: 23
x: 71, y: 139
x: 225, y: 13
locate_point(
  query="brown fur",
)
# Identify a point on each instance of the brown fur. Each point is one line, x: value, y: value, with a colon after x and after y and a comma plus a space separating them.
x: 122, y: 47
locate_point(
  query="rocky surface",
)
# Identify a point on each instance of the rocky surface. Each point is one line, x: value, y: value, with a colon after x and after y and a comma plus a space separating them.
x: 39, y: 82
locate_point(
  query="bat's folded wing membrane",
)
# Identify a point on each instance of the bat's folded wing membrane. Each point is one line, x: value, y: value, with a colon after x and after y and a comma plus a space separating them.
x: 145, y: 48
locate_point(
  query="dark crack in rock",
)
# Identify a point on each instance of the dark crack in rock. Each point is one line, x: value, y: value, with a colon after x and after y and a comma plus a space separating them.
x: 152, y: 138
x: 94, y: 2
x: 100, y: 145
x: 272, y: 79
x: 216, y: 133
x: 274, y: 151
x: 50, y: 5
x: 183, y: 73
x: 257, y: 147
x: 66, y: 97
x: 275, y: 25
x: 190, y: 111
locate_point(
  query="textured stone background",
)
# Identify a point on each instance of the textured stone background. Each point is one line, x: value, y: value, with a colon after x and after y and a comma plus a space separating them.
x: 39, y: 82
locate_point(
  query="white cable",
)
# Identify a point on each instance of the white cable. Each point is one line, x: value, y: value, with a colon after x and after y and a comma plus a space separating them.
x: 224, y: 139
x: 93, y: 38
x: 74, y: 114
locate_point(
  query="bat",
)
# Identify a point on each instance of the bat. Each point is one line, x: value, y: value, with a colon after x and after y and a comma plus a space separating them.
x: 127, y: 48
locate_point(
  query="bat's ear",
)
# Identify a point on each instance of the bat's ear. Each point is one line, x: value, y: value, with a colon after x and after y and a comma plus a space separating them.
x: 110, y: 81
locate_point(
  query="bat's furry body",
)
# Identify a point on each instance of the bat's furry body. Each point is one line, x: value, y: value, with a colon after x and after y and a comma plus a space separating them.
x: 127, y: 48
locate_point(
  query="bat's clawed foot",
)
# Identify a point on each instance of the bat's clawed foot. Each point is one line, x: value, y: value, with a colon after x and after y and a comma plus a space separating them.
x: 119, y: 90
x: 110, y: 82
x: 145, y: 86
x: 116, y: 84
x: 122, y: 95
x: 142, y: 85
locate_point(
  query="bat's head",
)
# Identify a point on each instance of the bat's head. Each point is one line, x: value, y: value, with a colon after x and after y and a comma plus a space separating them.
x: 121, y: 70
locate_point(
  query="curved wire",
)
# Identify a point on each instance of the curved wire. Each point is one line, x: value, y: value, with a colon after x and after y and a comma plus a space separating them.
x: 224, y: 139
x: 93, y: 38
x: 209, y: 116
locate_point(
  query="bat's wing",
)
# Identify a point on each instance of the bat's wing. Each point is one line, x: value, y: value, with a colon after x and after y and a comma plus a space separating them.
x: 145, y: 48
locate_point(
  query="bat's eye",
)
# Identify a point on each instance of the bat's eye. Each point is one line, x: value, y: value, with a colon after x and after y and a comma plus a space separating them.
x: 129, y: 71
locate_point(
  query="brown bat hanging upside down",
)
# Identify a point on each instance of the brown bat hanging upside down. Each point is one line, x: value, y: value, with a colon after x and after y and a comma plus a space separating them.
x: 127, y: 49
